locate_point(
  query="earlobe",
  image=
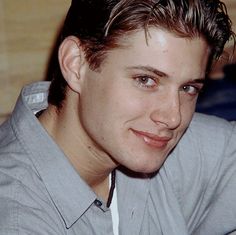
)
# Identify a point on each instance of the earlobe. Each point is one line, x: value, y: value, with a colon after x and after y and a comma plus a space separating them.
x: 71, y: 58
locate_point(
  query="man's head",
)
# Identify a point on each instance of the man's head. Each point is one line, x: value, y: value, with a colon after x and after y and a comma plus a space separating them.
x: 99, y: 24
x: 129, y: 79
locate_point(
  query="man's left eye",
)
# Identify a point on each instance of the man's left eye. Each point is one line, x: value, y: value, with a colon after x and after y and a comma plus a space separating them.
x: 190, y: 89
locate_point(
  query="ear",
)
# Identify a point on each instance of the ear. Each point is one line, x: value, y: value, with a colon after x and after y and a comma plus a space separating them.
x: 71, y: 60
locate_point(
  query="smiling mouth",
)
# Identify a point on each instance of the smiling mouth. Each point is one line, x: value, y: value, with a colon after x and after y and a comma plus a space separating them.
x: 152, y: 140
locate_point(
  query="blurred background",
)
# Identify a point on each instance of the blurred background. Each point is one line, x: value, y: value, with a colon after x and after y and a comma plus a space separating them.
x: 28, y: 29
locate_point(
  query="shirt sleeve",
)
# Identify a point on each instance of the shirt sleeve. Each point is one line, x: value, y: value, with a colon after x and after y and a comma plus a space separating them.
x: 202, y: 172
x: 220, y: 216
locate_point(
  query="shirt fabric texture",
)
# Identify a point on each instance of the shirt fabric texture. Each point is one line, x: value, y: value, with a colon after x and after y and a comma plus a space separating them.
x: 42, y: 194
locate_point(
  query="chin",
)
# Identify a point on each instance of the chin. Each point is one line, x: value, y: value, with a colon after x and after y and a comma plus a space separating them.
x: 146, y: 168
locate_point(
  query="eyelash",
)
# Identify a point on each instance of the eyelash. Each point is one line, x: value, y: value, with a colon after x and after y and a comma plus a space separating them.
x: 140, y: 81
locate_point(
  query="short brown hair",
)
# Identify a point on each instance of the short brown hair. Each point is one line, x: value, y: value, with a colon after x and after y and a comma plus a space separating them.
x: 100, y: 23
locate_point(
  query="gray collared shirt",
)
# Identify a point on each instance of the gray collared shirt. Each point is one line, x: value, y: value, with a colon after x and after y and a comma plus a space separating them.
x: 41, y: 193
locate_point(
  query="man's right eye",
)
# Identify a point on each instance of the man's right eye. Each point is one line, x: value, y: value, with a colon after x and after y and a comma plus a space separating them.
x: 146, y: 81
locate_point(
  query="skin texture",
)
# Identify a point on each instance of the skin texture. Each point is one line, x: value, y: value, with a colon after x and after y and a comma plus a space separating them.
x: 131, y: 112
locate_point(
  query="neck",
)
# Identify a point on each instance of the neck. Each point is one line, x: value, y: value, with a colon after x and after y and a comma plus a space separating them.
x: 91, y: 162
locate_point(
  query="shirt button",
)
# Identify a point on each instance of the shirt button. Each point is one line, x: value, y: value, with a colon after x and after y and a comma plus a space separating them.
x: 97, y: 203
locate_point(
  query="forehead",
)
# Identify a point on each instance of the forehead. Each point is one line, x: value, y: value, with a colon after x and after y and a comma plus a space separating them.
x: 162, y: 50
x: 154, y: 35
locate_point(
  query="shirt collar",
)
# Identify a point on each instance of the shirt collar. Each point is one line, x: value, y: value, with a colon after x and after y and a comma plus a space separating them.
x: 66, y: 189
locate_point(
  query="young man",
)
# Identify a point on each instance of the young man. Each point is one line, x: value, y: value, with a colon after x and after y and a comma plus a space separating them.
x: 94, y: 158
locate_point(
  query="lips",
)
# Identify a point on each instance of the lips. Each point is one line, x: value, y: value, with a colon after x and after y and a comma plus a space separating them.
x: 152, y: 140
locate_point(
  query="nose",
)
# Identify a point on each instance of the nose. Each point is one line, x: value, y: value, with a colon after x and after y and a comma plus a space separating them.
x: 168, y: 112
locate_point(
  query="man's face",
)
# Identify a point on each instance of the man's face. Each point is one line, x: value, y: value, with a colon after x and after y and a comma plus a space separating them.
x: 139, y: 104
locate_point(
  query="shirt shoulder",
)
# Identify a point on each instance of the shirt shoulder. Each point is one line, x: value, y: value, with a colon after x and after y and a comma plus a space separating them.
x: 25, y: 206
x: 201, y: 165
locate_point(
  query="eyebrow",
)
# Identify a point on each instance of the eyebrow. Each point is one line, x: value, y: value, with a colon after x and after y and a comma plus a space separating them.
x: 148, y: 69
x: 162, y: 74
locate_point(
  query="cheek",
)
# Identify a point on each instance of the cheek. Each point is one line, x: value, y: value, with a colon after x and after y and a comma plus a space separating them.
x: 129, y: 106
x: 122, y: 102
